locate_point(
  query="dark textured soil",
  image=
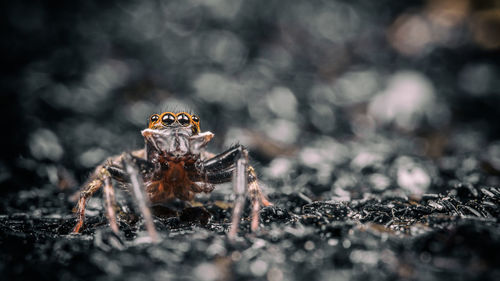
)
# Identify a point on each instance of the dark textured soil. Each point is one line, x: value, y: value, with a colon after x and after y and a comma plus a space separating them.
x: 380, y: 235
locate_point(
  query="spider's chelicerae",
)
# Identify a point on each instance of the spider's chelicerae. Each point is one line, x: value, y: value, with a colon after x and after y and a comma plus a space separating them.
x: 173, y: 165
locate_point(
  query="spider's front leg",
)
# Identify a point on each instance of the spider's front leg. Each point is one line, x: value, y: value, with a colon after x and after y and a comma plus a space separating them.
x: 138, y: 191
x: 233, y: 164
x: 240, y: 187
x: 102, y: 176
x: 123, y: 169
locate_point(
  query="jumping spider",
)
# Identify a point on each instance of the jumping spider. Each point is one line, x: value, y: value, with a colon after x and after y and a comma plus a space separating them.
x: 173, y: 165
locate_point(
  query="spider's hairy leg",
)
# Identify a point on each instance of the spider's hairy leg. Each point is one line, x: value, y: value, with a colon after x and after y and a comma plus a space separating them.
x: 101, y: 176
x: 257, y: 198
x: 224, y: 167
x: 139, y: 193
x: 109, y: 195
x: 240, y: 187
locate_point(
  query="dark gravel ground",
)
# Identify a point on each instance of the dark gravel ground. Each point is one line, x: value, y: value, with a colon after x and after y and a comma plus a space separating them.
x: 378, y: 146
x: 379, y: 235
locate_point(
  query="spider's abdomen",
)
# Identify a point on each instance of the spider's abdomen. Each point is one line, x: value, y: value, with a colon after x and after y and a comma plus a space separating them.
x: 172, y: 183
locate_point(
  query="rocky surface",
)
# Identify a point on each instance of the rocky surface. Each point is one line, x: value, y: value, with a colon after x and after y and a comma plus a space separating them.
x: 353, y: 230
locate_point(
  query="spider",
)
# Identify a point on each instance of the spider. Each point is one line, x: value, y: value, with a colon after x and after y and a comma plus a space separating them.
x: 174, y: 164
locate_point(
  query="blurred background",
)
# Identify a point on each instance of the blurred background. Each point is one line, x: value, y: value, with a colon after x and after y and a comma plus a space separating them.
x: 328, y: 88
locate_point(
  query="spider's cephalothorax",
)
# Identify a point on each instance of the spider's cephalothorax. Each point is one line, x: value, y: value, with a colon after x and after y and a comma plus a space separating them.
x: 174, y: 137
x: 173, y: 165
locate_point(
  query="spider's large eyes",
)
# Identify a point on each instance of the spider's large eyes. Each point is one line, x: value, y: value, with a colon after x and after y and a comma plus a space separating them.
x: 183, y: 119
x: 195, y: 118
x: 168, y: 119
x: 154, y: 118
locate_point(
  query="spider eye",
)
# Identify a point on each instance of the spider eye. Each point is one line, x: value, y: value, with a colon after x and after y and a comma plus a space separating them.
x: 154, y: 118
x: 168, y: 119
x: 195, y: 118
x: 183, y: 119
